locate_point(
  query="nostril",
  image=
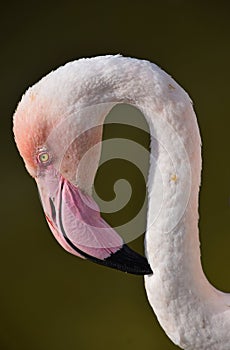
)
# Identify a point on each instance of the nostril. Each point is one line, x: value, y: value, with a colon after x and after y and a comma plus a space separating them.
x: 53, y: 211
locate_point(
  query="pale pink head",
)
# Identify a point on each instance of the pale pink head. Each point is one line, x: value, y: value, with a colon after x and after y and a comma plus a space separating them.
x: 52, y: 135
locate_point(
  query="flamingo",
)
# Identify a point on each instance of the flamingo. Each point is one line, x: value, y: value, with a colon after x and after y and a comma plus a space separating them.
x: 60, y: 118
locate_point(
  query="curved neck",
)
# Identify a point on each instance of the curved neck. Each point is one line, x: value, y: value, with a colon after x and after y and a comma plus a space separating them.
x: 175, y: 162
x: 178, y: 291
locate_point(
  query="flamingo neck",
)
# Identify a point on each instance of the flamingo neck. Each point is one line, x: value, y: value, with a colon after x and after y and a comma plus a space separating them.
x: 178, y: 291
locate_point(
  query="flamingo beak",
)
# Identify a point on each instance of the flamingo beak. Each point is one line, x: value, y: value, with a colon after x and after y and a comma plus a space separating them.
x: 74, y: 219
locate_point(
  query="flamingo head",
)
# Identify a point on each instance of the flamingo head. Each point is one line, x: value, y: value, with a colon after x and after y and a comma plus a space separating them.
x: 53, y: 136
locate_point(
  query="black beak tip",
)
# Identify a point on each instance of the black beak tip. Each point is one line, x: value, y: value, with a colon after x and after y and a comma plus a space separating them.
x: 127, y: 260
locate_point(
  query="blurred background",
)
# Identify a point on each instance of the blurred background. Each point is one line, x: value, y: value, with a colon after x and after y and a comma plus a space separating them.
x: 48, y: 298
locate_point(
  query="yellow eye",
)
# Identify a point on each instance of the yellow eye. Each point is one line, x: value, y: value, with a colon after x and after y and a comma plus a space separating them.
x: 43, y: 157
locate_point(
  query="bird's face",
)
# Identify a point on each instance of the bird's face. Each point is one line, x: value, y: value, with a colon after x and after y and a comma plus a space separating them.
x: 52, y: 153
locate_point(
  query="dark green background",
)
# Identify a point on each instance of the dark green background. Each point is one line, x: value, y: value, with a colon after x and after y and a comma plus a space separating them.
x: 48, y: 298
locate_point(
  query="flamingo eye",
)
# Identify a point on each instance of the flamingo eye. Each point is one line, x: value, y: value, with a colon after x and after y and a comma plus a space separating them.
x: 43, y: 157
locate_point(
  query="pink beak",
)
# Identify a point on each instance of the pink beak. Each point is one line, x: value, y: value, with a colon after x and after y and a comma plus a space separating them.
x: 74, y: 219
